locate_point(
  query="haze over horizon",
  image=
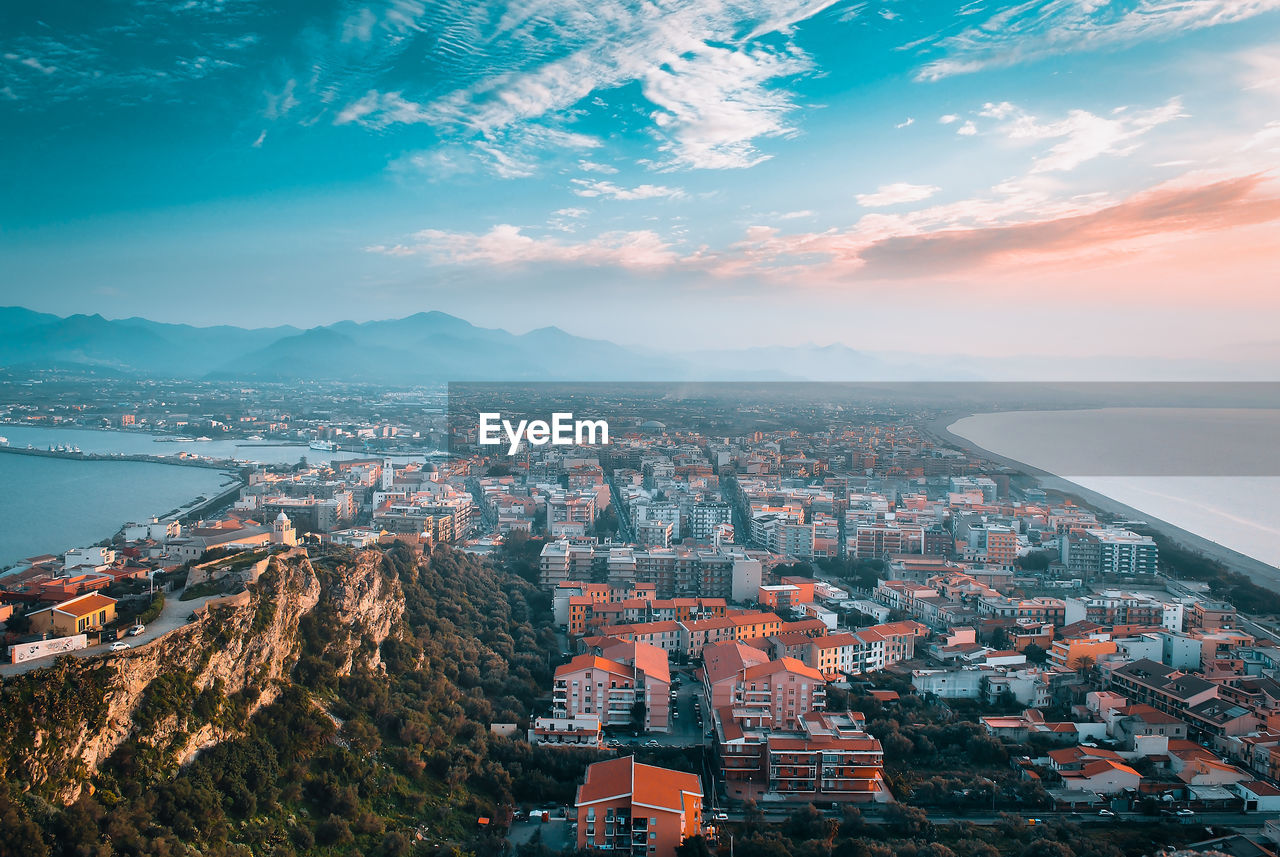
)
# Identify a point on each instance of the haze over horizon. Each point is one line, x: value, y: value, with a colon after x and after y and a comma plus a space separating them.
x: 1086, y: 179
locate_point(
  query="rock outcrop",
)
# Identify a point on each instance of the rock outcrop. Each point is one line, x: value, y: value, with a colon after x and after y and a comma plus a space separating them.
x: 64, y: 722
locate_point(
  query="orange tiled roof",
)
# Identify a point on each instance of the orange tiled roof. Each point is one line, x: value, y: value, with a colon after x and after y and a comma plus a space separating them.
x: 85, y: 604
x: 649, y: 785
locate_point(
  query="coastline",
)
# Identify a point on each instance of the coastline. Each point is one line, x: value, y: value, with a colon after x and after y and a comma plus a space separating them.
x: 190, y: 509
x: 1257, y: 570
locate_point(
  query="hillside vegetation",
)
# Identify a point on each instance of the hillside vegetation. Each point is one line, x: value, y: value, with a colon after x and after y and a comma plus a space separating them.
x: 366, y: 748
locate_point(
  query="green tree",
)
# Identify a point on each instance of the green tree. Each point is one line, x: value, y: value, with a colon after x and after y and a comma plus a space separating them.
x: 694, y: 846
x: 638, y: 711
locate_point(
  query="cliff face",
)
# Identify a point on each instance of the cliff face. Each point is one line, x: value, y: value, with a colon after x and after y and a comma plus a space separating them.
x: 173, y: 696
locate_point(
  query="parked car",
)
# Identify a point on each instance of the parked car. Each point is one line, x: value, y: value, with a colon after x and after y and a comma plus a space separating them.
x: 136, y: 630
x: 722, y: 816
x: 120, y: 647
x: 1186, y: 812
x: 1106, y: 813
x: 652, y: 743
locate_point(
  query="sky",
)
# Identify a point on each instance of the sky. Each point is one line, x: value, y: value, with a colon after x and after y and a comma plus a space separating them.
x: 1049, y: 177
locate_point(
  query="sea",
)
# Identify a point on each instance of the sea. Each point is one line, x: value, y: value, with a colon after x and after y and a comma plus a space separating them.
x: 1212, y: 472
x: 50, y: 505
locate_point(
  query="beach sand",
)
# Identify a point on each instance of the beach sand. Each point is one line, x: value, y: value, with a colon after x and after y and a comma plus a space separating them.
x: 1258, y: 571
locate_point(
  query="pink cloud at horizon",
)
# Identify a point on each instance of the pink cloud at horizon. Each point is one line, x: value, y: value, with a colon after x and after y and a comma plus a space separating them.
x: 1023, y: 233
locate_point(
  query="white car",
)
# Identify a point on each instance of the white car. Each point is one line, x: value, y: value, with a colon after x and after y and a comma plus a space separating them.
x: 1106, y: 813
x: 1186, y: 812
x: 136, y: 630
x: 722, y: 816
x: 120, y: 646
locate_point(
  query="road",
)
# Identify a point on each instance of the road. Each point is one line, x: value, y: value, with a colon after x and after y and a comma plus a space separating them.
x: 874, y: 814
x: 625, y: 534
x: 173, y: 615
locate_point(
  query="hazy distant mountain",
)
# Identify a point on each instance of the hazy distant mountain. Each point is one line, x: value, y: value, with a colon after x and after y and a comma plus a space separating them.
x: 439, y: 347
x: 426, y: 347
x: 436, y: 347
x: 131, y: 345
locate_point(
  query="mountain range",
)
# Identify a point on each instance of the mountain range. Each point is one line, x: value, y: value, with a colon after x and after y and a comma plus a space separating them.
x: 431, y: 347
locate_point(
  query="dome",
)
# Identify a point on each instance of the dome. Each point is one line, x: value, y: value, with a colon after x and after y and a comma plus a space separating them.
x: 430, y: 467
x: 282, y: 518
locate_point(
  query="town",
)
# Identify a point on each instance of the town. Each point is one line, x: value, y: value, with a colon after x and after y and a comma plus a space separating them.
x: 849, y: 615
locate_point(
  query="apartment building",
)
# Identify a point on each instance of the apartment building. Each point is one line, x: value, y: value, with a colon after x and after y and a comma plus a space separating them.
x: 878, y: 540
x: 828, y: 757
x: 1109, y: 551
x: 1161, y: 687
x: 774, y: 694
x: 1117, y: 607
x: 592, y: 684
x: 624, y: 807
x: 566, y: 560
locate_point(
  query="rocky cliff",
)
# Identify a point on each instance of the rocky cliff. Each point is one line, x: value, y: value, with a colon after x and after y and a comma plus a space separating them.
x: 197, y: 685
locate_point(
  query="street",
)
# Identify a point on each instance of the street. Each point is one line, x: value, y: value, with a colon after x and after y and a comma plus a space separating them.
x: 173, y: 615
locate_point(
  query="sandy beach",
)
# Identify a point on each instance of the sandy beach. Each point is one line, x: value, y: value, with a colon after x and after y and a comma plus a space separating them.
x: 1260, y: 572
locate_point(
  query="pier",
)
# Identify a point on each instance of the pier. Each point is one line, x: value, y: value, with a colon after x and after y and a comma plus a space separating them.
x: 208, y: 464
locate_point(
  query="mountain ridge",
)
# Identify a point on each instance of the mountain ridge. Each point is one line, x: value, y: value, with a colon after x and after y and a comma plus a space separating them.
x: 435, y: 347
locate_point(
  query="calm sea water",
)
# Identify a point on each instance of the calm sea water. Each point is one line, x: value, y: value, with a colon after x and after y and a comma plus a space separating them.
x: 1215, y: 473
x: 50, y: 505
x: 138, y: 443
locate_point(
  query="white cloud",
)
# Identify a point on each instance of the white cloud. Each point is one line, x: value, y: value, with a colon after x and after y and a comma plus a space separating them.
x: 896, y: 194
x: 1003, y: 110
x: 1084, y: 136
x: 380, y: 109
x: 1262, y: 69
x: 714, y: 103
x: 968, y: 129
x: 257, y: 144
x: 280, y: 103
x: 570, y: 212
x: 1042, y: 28
x: 593, y: 167
x: 909, y: 121
x: 948, y: 119
x: 609, y: 190
x: 32, y: 63
x: 711, y: 81
x: 507, y: 245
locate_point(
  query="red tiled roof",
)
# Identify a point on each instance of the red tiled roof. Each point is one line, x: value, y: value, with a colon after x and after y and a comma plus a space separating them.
x: 85, y: 604
x: 646, y: 784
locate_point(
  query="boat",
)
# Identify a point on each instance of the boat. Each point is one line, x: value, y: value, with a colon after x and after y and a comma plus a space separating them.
x: 254, y: 437
x: 4, y: 441
x: 323, y: 445
x: 203, y: 439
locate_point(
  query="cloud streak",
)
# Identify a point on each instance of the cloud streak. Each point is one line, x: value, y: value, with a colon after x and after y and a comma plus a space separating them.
x: 609, y: 190
x: 896, y: 194
x: 921, y: 246
x: 1038, y: 29
x: 509, y: 246
x: 708, y: 71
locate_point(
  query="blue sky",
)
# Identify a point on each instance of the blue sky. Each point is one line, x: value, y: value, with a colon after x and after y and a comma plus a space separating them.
x: 980, y: 176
